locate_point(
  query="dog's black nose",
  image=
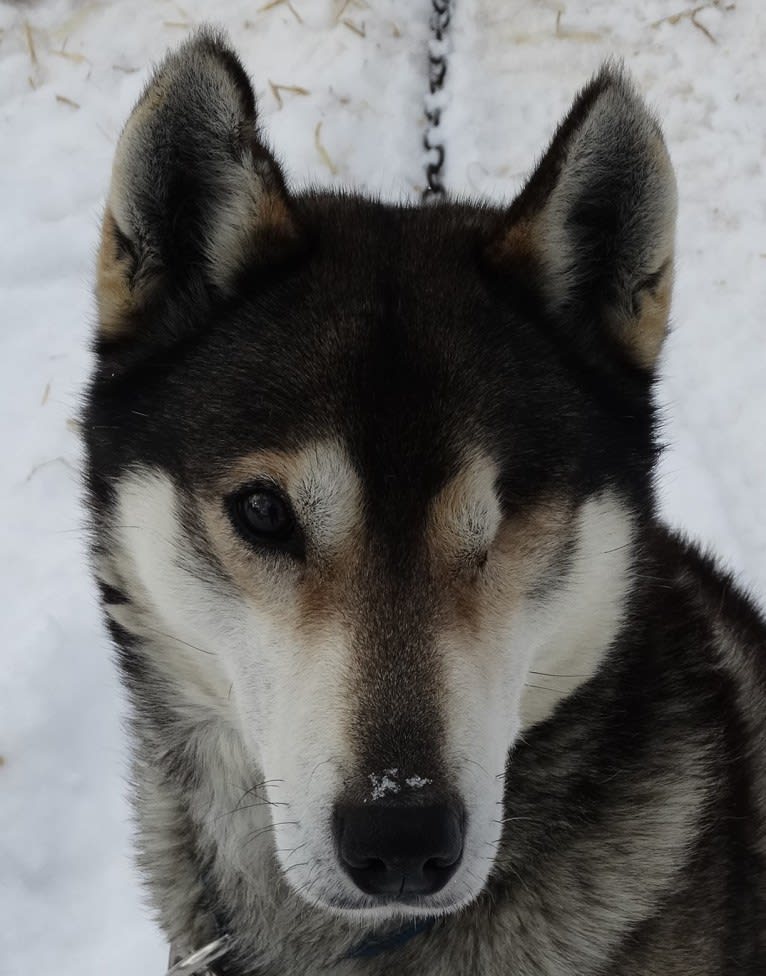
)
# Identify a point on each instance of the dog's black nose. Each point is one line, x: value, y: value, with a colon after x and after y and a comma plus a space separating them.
x: 399, y: 851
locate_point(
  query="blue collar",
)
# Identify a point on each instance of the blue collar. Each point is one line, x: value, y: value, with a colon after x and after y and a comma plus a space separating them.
x: 376, y: 945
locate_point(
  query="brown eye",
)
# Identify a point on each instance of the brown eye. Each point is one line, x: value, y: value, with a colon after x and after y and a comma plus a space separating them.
x: 264, y: 516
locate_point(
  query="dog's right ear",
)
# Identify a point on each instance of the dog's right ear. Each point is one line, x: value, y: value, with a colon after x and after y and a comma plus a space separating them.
x: 593, y: 229
x: 195, y: 195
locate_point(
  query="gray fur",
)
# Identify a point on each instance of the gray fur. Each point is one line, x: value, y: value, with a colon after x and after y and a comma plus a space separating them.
x: 191, y: 178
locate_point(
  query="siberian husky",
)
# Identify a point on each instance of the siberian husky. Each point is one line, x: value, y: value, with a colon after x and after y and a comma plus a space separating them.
x: 418, y: 681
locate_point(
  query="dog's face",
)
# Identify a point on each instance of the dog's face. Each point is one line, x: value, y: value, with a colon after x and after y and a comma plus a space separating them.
x: 366, y: 476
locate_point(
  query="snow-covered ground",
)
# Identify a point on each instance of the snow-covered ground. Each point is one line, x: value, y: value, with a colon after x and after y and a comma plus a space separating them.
x: 349, y: 112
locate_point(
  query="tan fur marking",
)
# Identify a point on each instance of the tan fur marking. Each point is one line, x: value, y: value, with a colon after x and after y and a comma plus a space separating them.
x: 326, y: 595
x: 464, y: 516
x: 645, y: 335
x: 530, y: 538
x: 275, y: 218
x: 116, y: 302
x: 484, y: 563
x: 305, y: 594
x: 520, y: 556
x: 519, y: 244
x: 283, y: 467
x: 253, y: 225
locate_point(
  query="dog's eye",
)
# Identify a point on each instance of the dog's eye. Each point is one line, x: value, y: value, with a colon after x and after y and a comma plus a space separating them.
x: 264, y: 516
x: 265, y: 513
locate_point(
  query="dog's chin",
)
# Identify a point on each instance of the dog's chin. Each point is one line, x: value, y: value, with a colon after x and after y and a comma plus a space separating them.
x: 336, y: 894
x: 364, y: 910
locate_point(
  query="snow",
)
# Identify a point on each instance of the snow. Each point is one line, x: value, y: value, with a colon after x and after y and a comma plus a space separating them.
x: 389, y: 782
x: 384, y: 783
x: 417, y: 782
x: 69, y: 73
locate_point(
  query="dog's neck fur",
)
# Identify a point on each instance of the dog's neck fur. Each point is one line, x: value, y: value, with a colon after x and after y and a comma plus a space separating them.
x: 193, y: 830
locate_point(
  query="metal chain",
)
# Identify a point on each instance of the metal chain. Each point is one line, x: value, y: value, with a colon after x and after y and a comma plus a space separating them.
x: 437, y: 69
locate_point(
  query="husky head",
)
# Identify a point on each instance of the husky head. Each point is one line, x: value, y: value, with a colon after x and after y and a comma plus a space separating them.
x: 366, y: 477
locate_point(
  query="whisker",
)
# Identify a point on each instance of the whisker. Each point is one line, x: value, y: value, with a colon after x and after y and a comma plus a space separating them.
x: 246, y: 791
x: 625, y: 545
x: 514, y: 819
x: 264, y: 782
x: 252, y: 806
x: 173, y: 637
x: 548, y: 674
x: 306, y: 888
x: 300, y: 864
x: 475, y: 762
x: 290, y: 851
x: 481, y: 885
x: 255, y: 834
x: 322, y: 762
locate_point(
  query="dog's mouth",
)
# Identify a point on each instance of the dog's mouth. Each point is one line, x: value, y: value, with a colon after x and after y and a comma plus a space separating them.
x: 382, y: 908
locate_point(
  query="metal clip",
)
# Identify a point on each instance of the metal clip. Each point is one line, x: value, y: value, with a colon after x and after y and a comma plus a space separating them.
x: 198, y: 963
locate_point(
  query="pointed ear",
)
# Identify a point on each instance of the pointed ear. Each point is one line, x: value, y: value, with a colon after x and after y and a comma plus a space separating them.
x: 595, y: 224
x: 195, y: 195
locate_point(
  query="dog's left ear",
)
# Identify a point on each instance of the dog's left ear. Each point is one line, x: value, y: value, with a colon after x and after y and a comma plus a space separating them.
x: 595, y: 224
x: 195, y: 197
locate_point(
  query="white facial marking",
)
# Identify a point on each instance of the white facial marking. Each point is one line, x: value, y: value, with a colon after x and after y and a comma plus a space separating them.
x: 491, y: 691
x: 579, y: 622
x: 243, y: 661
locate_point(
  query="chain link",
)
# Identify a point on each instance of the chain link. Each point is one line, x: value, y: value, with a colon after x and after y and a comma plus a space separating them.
x: 437, y: 70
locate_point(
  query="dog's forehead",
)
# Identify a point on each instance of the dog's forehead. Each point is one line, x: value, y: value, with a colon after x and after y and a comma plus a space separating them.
x: 373, y: 341
x: 387, y: 338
